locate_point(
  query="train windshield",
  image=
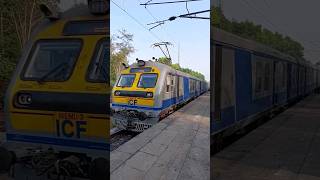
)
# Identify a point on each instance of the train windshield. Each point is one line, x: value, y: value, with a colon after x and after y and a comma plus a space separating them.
x: 99, y: 68
x: 147, y: 80
x: 126, y: 80
x: 52, y: 60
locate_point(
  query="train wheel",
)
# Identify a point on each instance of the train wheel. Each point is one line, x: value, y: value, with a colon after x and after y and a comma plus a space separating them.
x: 99, y: 169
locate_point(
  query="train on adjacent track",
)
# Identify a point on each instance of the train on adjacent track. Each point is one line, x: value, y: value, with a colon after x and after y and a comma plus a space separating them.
x: 252, y: 81
x: 147, y: 91
x: 57, y: 101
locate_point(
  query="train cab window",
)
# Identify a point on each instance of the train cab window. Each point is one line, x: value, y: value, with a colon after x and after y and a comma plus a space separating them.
x: 52, y: 60
x: 126, y: 80
x: 147, y: 80
x: 98, y: 70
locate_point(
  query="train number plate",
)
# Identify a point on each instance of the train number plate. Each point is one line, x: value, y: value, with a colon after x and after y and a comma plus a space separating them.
x: 132, y: 102
x: 70, y: 125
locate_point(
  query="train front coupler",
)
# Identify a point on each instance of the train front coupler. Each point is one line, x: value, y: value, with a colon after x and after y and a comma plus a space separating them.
x: 133, y: 121
x: 37, y: 162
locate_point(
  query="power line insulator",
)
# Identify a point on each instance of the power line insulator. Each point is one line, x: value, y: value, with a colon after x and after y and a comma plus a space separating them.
x: 172, y: 18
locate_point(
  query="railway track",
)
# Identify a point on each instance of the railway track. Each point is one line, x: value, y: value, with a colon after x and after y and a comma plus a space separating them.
x: 119, y: 137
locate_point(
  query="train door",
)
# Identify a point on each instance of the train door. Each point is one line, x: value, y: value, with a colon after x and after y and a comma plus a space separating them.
x: 290, y: 76
x: 225, y: 107
x: 176, y: 87
x: 305, y: 81
x: 186, y: 92
x: 180, y: 87
x: 301, y: 80
x: 276, y: 81
x: 169, y: 92
x: 217, y: 83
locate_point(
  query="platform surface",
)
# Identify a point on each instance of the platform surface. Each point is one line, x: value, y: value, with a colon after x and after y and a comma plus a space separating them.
x: 284, y: 148
x: 177, y: 148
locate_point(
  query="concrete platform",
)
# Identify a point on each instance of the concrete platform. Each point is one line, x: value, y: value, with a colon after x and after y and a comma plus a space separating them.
x: 285, y: 148
x: 176, y: 148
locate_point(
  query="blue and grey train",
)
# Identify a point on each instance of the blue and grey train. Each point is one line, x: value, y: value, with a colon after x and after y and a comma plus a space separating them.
x: 252, y: 80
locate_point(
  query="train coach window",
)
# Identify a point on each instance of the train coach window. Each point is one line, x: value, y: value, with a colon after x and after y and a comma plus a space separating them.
x: 147, y: 80
x: 258, y: 77
x: 98, y: 70
x: 126, y: 80
x: 52, y: 60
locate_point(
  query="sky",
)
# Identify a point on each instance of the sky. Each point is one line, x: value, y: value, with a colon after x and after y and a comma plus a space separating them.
x: 295, y: 18
x: 193, y: 35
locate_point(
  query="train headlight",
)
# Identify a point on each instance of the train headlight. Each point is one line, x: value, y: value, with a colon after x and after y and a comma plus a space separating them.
x: 117, y: 93
x: 141, y: 63
x: 149, y: 94
x: 98, y: 6
x: 24, y: 99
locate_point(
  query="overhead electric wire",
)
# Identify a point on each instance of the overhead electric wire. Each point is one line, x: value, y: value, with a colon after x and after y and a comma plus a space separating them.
x: 188, y: 15
x: 156, y: 19
x: 167, y: 2
x: 137, y: 21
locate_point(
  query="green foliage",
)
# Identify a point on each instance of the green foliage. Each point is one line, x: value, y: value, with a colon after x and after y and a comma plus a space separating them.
x: 121, y: 48
x: 17, y: 18
x: 254, y: 32
x: 166, y: 61
x: 6, y: 69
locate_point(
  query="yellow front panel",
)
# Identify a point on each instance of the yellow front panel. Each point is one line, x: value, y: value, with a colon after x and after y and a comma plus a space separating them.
x: 139, y: 101
x: 95, y: 126
x: 33, y: 123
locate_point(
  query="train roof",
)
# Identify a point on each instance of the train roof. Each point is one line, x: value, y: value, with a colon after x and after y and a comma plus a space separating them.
x: 77, y: 12
x: 162, y: 67
x: 80, y: 10
x: 237, y: 41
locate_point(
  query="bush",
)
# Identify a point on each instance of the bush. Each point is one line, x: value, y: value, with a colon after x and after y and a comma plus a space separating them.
x: 6, y: 69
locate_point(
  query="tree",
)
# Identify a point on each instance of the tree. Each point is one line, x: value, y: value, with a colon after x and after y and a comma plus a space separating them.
x: 165, y: 60
x: 121, y: 48
x: 17, y: 20
x: 254, y: 32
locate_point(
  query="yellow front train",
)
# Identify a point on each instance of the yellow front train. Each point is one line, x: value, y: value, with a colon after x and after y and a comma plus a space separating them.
x: 147, y: 91
x: 58, y: 96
